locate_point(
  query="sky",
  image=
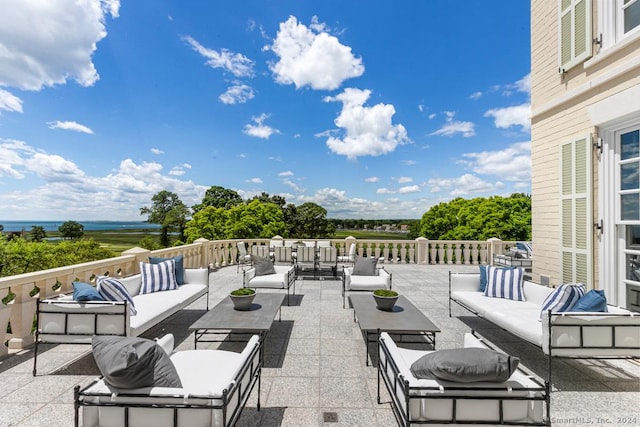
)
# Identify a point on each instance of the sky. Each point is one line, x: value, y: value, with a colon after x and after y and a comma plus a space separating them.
x: 373, y: 109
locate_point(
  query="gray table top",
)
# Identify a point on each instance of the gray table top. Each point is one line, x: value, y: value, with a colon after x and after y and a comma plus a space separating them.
x: 405, y: 316
x: 224, y: 317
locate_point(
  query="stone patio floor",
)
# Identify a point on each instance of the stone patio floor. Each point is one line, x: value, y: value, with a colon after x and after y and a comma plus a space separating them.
x: 315, y: 363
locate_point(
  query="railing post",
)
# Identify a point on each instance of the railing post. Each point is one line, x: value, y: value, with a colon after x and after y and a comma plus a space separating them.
x: 5, y: 312
x: 23, y: 310
x: 141, y: 254
x: 493, y: 244
x: 205, y: 249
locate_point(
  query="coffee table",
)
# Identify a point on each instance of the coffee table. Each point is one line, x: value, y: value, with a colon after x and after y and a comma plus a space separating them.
x: 405, y: 319
x: 223, y: 319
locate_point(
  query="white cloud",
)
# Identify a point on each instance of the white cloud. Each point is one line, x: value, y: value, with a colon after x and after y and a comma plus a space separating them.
x: 64, y: 189
x: 432, y: 116
x: 475, y: 95
x: 524, y: 84
x: 421, y: 107
x: 177, y: 171
x: 518, y: 115
x: 259, y: 130
x: 69, y: 125
x: 402, y: 179
x: 10, y: 102
x: 385, y: 191
x: 461, y: 186
x: 234, y: 63
x: 409, y: 189
x: 60, y: 49
x: 295, y: 187
x: 510, y: 164
x: 368, y: 131
x: 452, y: 127
x: 286, y: 173
x: 255, y: 180
x: 409, y: 162
x: 372, y: 179
x: 239, y: 93
x: 309, y: 56
x: 157, y: 151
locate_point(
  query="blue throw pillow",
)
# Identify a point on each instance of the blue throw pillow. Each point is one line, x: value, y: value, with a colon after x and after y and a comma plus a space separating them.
x: 85, y: 292
x: 593, y: 301
x: 483, y: 278
x: 179, y: 266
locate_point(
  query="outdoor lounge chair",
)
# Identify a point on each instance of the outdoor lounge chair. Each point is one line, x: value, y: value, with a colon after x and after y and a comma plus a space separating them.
x: 215, y: 387
x: 378, y: 279
x: 261, y: 251
x: 350, y: 257
x: 243, y: 256
x: 523, y: 399
x: 282, y: 255
x: 328, y: 257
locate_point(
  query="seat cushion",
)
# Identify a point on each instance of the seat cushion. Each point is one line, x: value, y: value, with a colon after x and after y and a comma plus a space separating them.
x: 274, y: 281
x: 132, y: 362
x: 367, y: 283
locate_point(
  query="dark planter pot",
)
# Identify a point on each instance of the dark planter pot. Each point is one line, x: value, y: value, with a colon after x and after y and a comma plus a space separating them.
x: 385, y: 303
x: 242, y: 302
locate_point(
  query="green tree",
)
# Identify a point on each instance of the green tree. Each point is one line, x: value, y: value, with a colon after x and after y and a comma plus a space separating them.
x: 254, y: 220
x: 208, y: 223
x: 219, y: 197
x: 310, y: 222
x: 167, y: 210
x: 275, y: 199
x: 38, y: 233
x: 71, y: 230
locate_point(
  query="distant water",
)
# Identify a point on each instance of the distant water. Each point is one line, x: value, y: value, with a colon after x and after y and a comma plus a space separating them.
x: 88, y: 225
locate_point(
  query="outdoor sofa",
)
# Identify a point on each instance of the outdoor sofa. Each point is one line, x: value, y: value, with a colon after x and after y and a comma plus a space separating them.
x: 61, y: 320
x: 611, y: 334
x: 216, y: 385
x: 521, y: 400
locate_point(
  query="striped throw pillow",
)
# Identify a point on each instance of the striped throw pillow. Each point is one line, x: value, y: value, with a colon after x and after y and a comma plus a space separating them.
x: 113, y: 290
x: 158, y: 277
x: 563, y: 298
x: 505, y: 282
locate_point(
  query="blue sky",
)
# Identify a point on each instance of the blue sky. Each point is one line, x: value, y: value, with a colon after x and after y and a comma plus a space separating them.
x: 370, y: 109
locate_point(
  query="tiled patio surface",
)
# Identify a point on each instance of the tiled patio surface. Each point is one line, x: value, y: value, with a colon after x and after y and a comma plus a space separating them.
x: 315, y: 363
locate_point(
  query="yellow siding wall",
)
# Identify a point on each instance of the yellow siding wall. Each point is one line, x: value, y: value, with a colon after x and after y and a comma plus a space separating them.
x: 554, y: 125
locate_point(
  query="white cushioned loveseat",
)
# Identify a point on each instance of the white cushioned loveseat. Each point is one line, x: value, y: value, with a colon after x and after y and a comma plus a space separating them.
x: 522, y: 400
x: 216, y: 385
x: 611, y: 334
x: 62, y: 320
x: 283, y: 278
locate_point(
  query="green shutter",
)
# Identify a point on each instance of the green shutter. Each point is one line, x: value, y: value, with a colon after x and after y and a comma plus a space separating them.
x: 575, y: 34
x: 576, y: 212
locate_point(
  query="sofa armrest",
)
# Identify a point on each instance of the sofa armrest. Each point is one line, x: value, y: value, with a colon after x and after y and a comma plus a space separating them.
x: 382, y: 272
x: 469, y: 282
x: 196, y: 276
x: 587, y: 334
x: 247, y: 275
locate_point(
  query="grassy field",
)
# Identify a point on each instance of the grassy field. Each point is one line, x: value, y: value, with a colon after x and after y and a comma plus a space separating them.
x: 119, y: 241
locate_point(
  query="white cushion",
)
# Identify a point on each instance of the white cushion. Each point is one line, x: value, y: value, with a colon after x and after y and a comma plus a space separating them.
x: 158, y: 277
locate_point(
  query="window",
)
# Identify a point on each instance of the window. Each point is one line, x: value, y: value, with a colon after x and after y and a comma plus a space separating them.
x: 618, y: 21
x: 575, y: 33
x: 629, y: 175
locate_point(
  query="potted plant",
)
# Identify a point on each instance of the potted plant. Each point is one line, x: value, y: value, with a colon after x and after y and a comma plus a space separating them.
x: 242, y: 298
x: 385, y: 299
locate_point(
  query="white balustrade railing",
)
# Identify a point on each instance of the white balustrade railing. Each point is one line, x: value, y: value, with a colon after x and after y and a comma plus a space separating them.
x: 26, y: 288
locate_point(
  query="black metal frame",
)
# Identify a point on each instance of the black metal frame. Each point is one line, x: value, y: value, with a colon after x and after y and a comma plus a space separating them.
x: 579, y: 325
x: 401, y: 408
x: 237, y: 390
x: 124, y: 312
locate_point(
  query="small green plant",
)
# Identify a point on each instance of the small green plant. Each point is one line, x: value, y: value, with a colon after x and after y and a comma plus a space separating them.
x: 243, y: 291
x: 385, y: 293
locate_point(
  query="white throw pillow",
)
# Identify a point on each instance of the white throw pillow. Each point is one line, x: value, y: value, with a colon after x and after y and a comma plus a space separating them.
x: 158, y: 277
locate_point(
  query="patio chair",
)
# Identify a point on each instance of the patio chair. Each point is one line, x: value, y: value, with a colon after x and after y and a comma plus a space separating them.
x: 273, y: 244
x: 350, y: 258
x: 328, y: 257
x: 282, y: 255
x: 305, y: 258
x: 243, y: 256
x: 323, y: 243
x: 261, y: 251
x: 364, y: 276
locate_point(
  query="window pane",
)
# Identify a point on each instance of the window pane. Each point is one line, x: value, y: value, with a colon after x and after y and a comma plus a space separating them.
x: 633, y: 236
x: 633, y: 267
x: 631, y: 16
x: 629, y: 176
x: 630, y: 207
x: 630, y: 144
